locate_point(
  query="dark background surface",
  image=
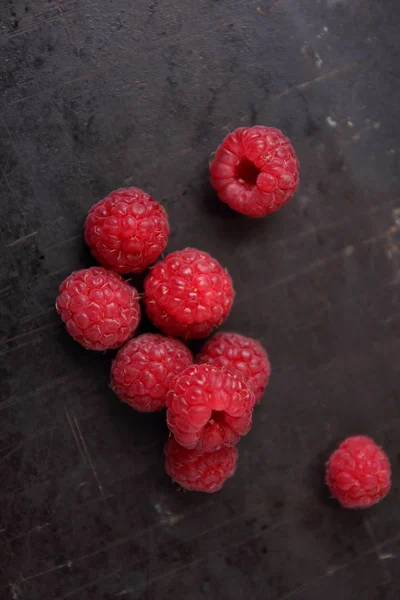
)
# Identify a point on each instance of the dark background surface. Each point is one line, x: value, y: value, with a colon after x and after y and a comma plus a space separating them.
x: 108, y: 93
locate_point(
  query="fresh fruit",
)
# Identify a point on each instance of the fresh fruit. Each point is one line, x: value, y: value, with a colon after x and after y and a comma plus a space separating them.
x: 99, y: 309
x: 241, y: 355
x: 127, y: 231
x: 358, y: 473
x: 188, y: 294
x: 143, y: 370
x: 208, y: 408
x: 199, y: 471
x: 255, y: 170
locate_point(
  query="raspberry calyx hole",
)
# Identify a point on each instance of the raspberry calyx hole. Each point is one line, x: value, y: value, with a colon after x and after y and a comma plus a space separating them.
x: 218, y: 416
x: 247, y: 172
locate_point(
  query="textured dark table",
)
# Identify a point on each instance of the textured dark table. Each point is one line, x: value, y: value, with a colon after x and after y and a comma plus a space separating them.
x: 108, y: 93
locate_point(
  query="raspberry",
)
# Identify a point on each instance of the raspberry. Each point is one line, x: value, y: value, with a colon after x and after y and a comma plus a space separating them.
x: 199, y: 471
x: 358, y: 473
x: 208, y: 408
x: 127, y: 231
x: 143, y: 369
x: 100, y: 310
x: 255, y: 170
x: 188, y: 294
x: 241, y: 355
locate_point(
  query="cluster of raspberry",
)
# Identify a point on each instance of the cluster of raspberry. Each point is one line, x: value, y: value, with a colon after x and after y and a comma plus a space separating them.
x: 209, y: 400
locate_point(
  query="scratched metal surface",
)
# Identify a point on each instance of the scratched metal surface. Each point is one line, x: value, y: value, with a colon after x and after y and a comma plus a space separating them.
x: 107, y: 93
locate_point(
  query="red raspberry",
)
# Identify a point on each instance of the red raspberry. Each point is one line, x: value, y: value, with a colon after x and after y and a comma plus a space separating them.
x: 242, y: 355
x: 188, y: 294
x: 199, y: 471
x: 209, y: 408
x: 100, y: 310
x: 255, y: 170
x: 143, y: 369
x: 358, y: 473
x: 127, y: 231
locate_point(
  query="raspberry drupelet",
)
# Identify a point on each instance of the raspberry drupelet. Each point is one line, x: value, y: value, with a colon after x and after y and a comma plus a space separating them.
x: 199, y: 471
x: 208, y: 408
x: 143, y: 370
x: 100, y: 310
x: 127, y: 231
x: 255, y: 170
x: 188, y: 294
x: 358, y: 473
x: 242, y: 355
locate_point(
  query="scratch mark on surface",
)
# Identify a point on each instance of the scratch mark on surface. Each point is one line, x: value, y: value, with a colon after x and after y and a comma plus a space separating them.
x: 68, y: 29
x: 12, y: 258
x: 88, y: 457
x: 29, y: 333
x: 47, y: 571
x: 344, y: 252
x: 104, y: 67
x: 81, y: 451
x: 34, y: 16
x: 33, y: 530
x: 69, y: 378
x: 37, y: 24
x: 5, y: 290
x: 22, y: 239
x: 189, y: 564
x: 289, y: 278
x: 52, y: 273
x: 327, y: 227
x: 383, y: 556
x: 142, y: 532
x: 306, y: 84
x: 330, y: 571
x: 66, y: 241
x: 51, y: 309
x: 22, y: 444
x: 369, y: 529
x: 15, y: 348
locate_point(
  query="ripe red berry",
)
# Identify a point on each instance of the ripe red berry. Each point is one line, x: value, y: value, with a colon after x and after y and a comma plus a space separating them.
x: 188, y: 294
x: 208, y: 408
x: 255, y: 170
x: 241, y: 355
x: 99, y: 309
x: 127, y: 231
x: 199, y: 471
x: 358, y: 473
x: 143, y: 370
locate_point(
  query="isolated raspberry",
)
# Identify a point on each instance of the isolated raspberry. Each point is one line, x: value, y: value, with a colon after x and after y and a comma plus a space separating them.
x: 143, y: 369
x: 209, y: 408
x: 100, y: 310
x: 240, y: 354
x: 127, y: 231
x: 188, y: 294
x: 358, y: 473
x: 199, y: 471
x: 255, y: 170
